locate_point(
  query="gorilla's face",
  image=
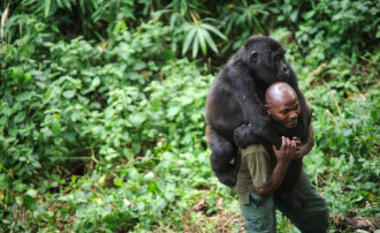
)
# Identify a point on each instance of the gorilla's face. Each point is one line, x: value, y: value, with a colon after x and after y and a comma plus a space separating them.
x: 266, y: 60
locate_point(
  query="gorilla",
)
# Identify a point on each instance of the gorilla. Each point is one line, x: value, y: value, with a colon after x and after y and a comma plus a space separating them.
x: 235, y: 115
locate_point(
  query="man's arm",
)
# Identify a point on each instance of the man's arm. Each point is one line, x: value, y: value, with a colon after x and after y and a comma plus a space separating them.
x: 304, y: 148
x: 284, y: 156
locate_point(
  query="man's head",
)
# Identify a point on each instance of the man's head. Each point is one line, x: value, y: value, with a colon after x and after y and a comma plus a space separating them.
x: 282, y: 104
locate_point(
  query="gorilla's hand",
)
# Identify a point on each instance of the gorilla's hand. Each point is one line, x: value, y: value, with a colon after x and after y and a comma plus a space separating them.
x: 245, y: 136
x: 228, y: 178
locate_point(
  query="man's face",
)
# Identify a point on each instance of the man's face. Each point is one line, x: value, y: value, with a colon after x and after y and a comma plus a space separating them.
x: 285, y: 111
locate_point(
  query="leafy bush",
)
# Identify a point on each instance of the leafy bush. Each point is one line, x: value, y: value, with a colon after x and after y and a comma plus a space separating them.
x: 73, y: 100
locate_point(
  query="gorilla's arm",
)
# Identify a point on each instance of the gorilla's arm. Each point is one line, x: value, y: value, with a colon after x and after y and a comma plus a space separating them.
x: 223, y: 151
x: 258, y: 127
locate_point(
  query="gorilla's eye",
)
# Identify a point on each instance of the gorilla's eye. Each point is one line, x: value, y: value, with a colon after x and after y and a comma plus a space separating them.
x: 278, y: 57
x: 254, y: 55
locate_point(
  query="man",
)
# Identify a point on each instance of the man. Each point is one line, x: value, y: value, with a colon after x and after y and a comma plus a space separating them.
x: 260, y: 175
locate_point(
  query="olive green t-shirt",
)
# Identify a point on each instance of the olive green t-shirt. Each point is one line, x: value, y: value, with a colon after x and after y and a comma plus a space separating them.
x: 255, y: 168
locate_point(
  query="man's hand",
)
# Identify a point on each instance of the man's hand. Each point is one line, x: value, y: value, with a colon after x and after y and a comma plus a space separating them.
x: 297, y: 140
x: 287, y: 152
x: 284, y: 156
x: 299, y: 147
x: 302, y: 149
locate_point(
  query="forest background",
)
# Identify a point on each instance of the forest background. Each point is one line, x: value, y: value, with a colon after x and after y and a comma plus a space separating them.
x: 102, y: 110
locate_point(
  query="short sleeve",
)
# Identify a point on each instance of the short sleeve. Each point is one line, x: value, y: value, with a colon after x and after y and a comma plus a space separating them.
x: 259, y: 166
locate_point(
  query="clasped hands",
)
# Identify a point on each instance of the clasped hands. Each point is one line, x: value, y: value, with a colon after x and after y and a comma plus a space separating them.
x: 290, y: 149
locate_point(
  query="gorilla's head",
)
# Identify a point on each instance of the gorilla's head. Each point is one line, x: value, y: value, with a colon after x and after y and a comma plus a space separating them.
x: 265, y: 59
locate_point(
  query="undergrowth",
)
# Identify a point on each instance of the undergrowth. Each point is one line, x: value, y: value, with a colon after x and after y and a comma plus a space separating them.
x: 102, y: 121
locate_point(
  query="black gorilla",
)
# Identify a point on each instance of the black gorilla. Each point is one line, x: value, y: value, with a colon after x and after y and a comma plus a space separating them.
x: 235, y: 114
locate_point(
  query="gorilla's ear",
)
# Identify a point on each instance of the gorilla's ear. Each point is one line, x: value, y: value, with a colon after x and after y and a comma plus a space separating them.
x: 254, y: 56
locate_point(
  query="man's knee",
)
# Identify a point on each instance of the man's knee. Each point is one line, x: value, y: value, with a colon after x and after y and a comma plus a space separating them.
x: 314, y: 217
x: 317, y: 221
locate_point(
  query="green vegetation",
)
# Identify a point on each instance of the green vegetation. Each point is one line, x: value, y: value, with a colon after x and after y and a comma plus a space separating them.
x: 102, y: 109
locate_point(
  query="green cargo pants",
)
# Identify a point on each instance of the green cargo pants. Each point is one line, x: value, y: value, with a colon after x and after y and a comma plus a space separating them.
x: 259, y: 214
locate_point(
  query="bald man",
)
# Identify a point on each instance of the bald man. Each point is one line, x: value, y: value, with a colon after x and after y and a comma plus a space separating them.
x: 260, y: 174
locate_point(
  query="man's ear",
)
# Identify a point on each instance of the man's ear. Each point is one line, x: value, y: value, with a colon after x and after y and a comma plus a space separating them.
x: 268, y: 109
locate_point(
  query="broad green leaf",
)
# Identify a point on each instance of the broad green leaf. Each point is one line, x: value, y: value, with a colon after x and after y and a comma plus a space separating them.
x: 137, y: 119
x: 214, y: 30
x: 95, y: 82
x: 118, y: 182
x: 183, y: 6
x: 293, y: 16
x: 202, y: 40
x: 47, y: 5
x: 82, y: 5
x: 155, y: 105
x: 195, y: 47
x: 29, y: 202
x: 174, y: 111
x: 19, y: 117
x: 210, y: 41
x: 189, y: 38
x: 7, y: 111
x: 116, y: 142
x: 76, y: 82
x: 139, y: 65
x: 67, y: 4
x: 59, y: 3
x: 68, y: 94
x: 31, y: 193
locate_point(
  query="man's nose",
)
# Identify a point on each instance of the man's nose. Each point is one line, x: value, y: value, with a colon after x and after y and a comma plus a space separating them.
x: 293, y: 115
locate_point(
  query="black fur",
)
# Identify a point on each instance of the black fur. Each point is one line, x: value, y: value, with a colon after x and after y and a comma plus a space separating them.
x: 235, y: 114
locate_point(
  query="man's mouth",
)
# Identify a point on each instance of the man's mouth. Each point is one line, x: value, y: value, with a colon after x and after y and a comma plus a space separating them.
x: 292, y: 123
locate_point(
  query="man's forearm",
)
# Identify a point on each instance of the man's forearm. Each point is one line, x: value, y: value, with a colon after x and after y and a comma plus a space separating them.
x: 275, y: 182
x: 306, y: 148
